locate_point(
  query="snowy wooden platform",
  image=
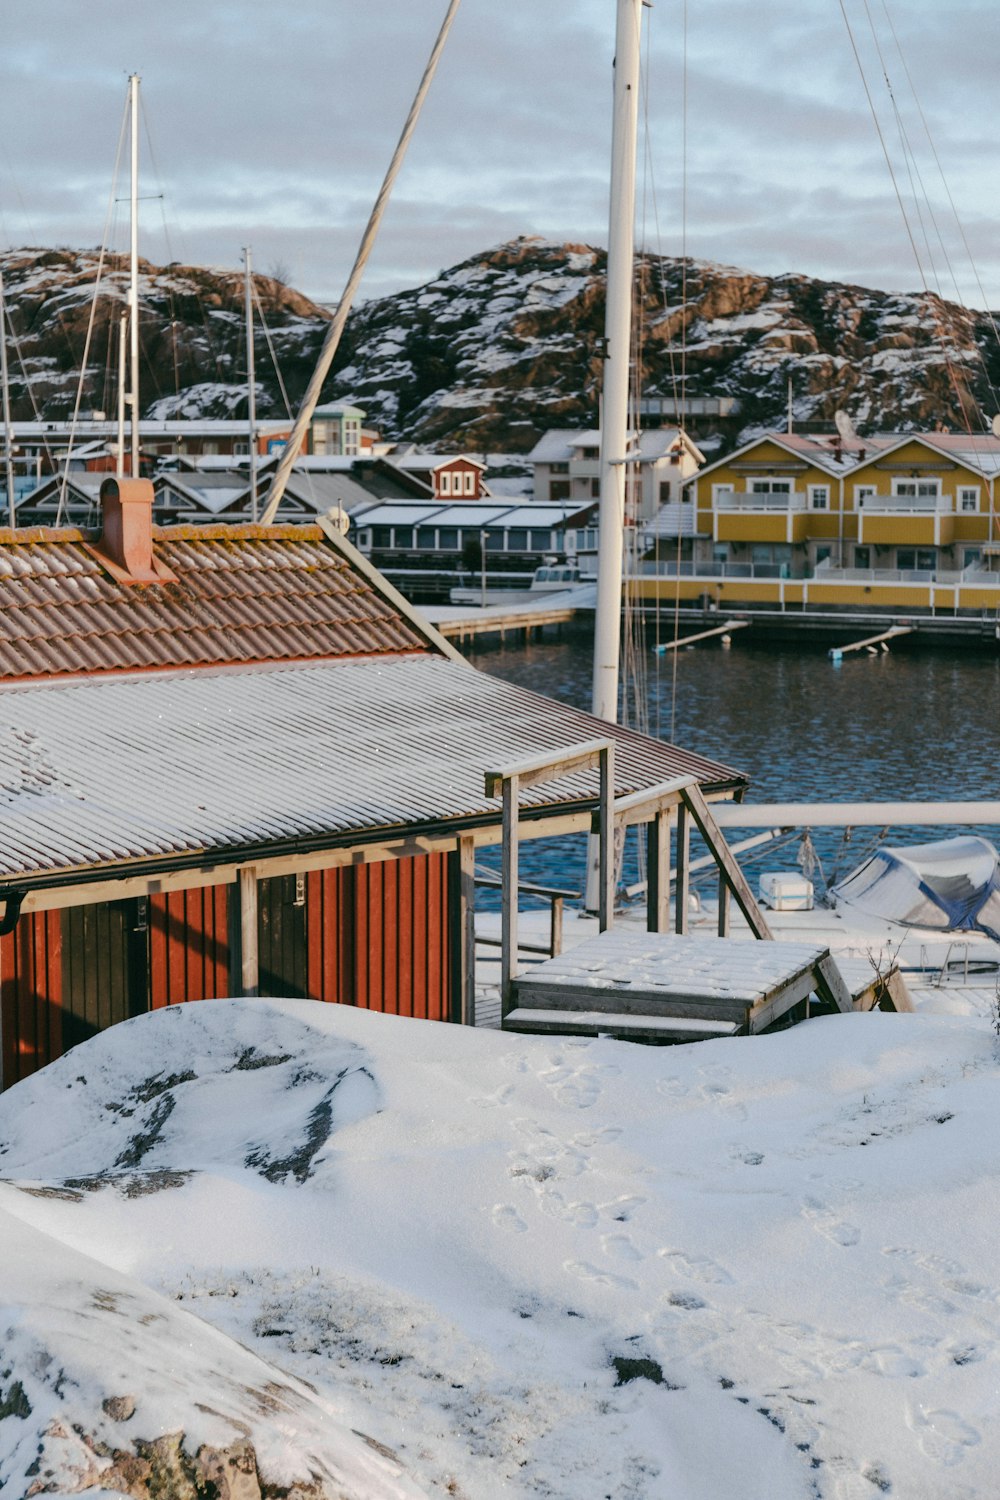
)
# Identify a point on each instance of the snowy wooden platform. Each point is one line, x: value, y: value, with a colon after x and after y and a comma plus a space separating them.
x: 665, y: 987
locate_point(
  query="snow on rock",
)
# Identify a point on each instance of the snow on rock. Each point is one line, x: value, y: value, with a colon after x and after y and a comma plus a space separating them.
x: 106, y: 1384
x: 759, y: 1267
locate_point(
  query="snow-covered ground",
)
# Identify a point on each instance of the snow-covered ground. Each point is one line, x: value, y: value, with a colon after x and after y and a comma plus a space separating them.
x: 403, y: 1258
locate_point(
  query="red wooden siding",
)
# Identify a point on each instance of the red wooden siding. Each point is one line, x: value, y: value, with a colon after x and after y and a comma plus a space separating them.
x: 374, y: 936
x: 31, y: 995
x: 378, y: 936
x: 188, y: 946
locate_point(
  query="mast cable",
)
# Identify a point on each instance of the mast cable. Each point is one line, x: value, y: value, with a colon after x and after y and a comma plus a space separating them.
x: 336, y: 328
x: 90, y: 323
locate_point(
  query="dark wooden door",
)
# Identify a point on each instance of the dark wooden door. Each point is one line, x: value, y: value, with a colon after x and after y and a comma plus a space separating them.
x: 105, y: 967
x: 281, y: 937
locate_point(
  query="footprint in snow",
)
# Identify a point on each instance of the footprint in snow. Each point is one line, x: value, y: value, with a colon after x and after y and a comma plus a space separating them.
x: 696, y: 1267
x: 506, y: 1216
x: 944, y: 1437
x: 620, y: 1246
x: 587, y: 1272
x: 826, y: 1223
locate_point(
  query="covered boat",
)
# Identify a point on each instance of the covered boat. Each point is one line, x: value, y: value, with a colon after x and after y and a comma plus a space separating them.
x: 951, y: 884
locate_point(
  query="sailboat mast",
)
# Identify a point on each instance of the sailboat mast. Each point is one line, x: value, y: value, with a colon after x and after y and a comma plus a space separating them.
x: 133, y: 292
x: 251, y: 385
x: 120, y: 456
x: 8, y: 433
x: 617, y: 330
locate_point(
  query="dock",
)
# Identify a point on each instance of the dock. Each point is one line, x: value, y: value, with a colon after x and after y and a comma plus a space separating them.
x: 702, y: 635
x: 461, y: 622
x: 659, y: 987
x: 871, y: 642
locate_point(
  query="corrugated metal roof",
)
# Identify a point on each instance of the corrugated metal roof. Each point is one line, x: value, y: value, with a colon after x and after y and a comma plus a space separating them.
x: 102, y: 771
x: 243, y: 594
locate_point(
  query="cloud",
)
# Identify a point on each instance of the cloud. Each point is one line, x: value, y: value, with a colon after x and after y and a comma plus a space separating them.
x: 275, y: 128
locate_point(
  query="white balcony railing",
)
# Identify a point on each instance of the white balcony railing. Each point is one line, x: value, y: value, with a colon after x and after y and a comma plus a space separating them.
x: 906, y: 505
x: 760, y: 500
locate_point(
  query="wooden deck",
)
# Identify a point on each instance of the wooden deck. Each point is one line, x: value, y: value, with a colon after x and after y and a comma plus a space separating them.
x: 664, y: 987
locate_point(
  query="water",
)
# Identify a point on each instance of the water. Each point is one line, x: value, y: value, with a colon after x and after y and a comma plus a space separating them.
x: 907, y: 725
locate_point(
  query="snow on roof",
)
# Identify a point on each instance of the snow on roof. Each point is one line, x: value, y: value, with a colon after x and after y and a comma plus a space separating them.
x: 760, y: 1267
x: 277, y: 754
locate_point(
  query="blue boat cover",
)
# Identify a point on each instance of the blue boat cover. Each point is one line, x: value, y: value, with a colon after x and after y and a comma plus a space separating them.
x: 951, y: 884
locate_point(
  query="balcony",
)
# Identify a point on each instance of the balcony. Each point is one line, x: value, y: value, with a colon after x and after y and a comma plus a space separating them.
x: 914, y: 505
x: 760, y: 500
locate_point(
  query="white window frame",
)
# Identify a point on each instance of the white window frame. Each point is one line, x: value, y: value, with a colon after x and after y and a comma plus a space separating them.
x: 819, y: 497
x: 469, y: 482
x: 916, y: 489
x: 764, y: 484
x: 968, y: 498
x: 863, y: 492
x: 444, y: 482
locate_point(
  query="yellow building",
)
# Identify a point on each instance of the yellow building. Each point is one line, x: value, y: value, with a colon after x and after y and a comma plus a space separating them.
x: 889, y: 523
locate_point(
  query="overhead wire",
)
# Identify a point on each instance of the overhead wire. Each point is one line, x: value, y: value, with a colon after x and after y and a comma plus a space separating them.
x: 60, y: 509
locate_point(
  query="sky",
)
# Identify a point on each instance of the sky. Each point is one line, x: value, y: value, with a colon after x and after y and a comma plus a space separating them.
x: 273, y: 127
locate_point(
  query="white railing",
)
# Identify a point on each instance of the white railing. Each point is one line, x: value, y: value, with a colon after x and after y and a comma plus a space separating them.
x: 760, y: 500
x: 907, y: 505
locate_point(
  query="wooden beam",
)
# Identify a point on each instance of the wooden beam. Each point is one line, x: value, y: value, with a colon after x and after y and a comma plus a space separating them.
x: 606, y: 897
x: 681, y: 865
x: 726, y: 860
x: 509, y: 894
x: 549, y: 766
x: 723, y: 905
x: 249, y: 952
x: 462, y: 924
x: 658, y: 873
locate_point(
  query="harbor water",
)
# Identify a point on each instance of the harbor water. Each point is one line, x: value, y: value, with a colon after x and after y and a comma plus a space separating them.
x: 903, y: 725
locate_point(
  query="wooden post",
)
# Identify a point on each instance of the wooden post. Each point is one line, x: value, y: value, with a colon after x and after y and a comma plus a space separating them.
x: 658, y: 873
x: 508, y: 908
x: 462, y: 922
x: 606, y: 896
x: 681, y: 864
x: 249, y: 953
x: 556, y: 927
x: 723, y: 905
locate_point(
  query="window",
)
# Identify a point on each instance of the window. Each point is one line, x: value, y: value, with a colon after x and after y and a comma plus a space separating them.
x: 448, y: 539
x: 970, y: 557
x: 968, y: 498
x: 863, y: 492
x: 770, y: 486
x: 862, y: 557
x: 425, y: 538
x: 364, y: 539
x: 404, y: 536
x: 517, y: 539
x: 590, y: 453
x: 595, y: 489
x: 541, y: 541
x: 470, y: 482
x: 924, y: 559
x: 444, y: 483
x: 664, y: 491
x: 494, y: 541
x: 381, y: 536
x: 917, y: 489
x: 819, y: 496
x: 823, y: 555
x: 558, y: 468
x: 558, y: 489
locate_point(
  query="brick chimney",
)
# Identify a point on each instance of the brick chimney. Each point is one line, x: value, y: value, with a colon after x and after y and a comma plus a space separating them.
x: 126, y: 545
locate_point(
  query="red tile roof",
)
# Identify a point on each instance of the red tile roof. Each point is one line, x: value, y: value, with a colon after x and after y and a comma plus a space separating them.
x: 244, y: 594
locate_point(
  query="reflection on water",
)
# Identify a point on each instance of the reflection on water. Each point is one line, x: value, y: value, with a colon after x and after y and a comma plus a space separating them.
x: 906, y: 725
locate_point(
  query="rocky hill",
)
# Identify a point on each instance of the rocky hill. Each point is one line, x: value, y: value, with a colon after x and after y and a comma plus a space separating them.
x: 507, y: 344
x: 192, y: 335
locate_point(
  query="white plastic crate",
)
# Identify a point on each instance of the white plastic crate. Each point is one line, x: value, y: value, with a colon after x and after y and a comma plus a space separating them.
x: 786, y: 891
